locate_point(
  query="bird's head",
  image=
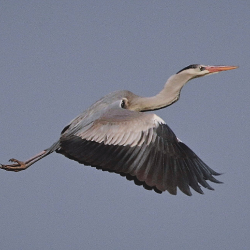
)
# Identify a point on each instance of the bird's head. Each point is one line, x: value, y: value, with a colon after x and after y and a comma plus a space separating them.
x: 198, y: 70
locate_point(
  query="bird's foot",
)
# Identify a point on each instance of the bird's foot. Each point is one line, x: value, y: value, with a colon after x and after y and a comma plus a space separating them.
x: 16, y: 167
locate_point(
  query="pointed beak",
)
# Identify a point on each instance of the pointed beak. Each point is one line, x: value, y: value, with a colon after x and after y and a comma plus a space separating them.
x: 214, y: 69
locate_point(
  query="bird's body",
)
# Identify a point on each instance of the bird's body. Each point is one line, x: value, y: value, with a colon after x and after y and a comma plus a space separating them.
x: 116, y: 134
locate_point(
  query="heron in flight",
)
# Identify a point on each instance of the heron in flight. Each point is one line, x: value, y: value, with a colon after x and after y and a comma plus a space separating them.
x: 115, y: 134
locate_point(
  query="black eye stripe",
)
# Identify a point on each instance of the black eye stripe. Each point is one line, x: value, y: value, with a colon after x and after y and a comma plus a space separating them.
x: 192, y: 66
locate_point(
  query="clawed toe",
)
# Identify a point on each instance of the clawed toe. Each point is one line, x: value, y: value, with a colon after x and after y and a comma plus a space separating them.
x: 17, y: 166
x: 21, y: 163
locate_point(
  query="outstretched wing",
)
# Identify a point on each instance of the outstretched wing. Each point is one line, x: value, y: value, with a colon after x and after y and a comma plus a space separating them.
x: 141, y: 147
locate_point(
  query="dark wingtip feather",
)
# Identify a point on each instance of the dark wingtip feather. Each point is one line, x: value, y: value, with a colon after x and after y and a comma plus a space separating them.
x: 157, y: 190
x: 197, y: 188
x: 215, y: 180
x: 186, y: 190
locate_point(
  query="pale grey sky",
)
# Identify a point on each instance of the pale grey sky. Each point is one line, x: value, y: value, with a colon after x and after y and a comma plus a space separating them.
x: 59, y: 57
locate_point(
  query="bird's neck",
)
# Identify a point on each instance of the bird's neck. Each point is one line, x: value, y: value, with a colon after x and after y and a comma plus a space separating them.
x: 166, y: 97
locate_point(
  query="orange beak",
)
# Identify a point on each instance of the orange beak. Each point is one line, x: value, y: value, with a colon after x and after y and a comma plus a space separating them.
x: 214, y: 69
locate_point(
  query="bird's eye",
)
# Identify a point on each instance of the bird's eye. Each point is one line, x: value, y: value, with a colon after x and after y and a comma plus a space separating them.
x: 123, y: 104
x: 202, y: 68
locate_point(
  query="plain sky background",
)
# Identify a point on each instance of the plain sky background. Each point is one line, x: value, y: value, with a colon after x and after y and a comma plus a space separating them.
x: 59, y: 57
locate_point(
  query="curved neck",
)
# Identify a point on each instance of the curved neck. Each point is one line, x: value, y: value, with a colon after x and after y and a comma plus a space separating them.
x: 169, y: 94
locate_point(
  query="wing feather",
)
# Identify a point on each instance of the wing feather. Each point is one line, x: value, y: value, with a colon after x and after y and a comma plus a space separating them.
x: 142, y: 148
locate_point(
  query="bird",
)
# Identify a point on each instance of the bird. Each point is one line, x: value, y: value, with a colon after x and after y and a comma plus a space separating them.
x: 118, y: 135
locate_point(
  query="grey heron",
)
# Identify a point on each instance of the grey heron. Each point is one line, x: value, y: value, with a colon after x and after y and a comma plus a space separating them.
x: 115, y: 134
